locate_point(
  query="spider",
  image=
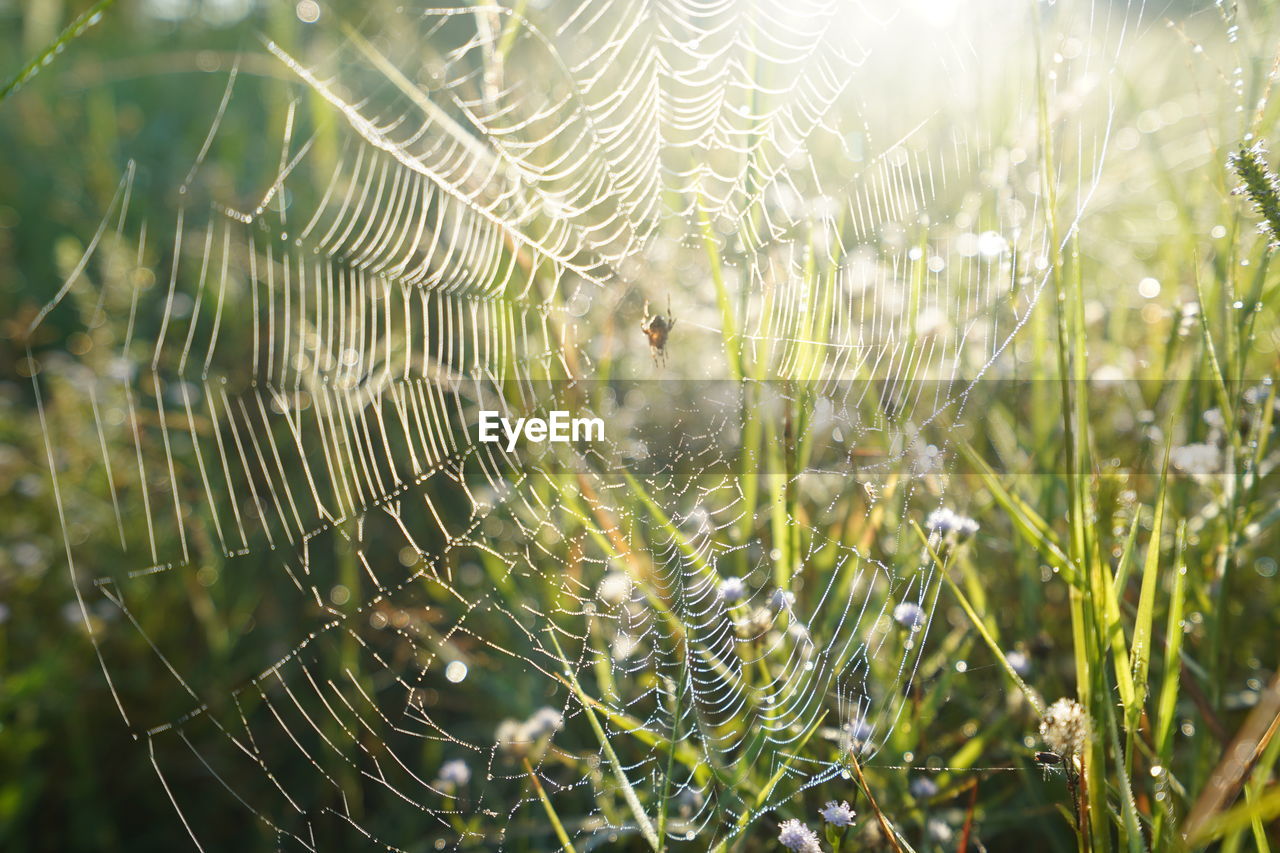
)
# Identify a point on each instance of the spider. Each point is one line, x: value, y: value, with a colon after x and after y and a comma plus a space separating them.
x: 656, y: 328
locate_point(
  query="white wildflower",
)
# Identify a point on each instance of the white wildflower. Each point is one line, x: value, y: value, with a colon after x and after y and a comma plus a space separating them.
x: 624, y: 646
x: 758, y: 623
x: 453, y: 774
x: 732, y: 590
x: 837, y: 814
x: 512, y: 737
x: 782, y: 599
x: 1197, y: 458
x: 939, y: 830
x: 1019, y: 661
x: 794, y: 835
x: 923, y: 788
x: 1065, y: 728
x: 615, y: 588
x: 545, y: 721
x: 909, y: 615
x: 856, y: 735
x: 946, y: 522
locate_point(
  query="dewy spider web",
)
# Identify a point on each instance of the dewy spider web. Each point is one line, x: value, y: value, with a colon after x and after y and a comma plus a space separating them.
x: 464, y: 204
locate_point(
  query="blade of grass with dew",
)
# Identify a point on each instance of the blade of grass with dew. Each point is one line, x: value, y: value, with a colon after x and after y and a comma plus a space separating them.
x: 619, y: 773
x: 1166, y: 705
x: 1113, y: 629
x: 1025, y: 520
x: 634, y: 727
x: 1130, y: 822
x: 891, y: 833
x: 1140, y: 652
x: 664, y: 798
x: 729, y: 324
x: 550, y: 809
x: 763, y: 795
x: 978, y: 623
x: 78, y: 27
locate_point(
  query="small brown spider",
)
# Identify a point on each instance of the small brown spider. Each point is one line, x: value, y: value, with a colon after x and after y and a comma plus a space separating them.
x: 656, y: 328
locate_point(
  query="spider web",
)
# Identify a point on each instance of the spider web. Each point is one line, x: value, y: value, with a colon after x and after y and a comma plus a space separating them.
x: 468, y: 210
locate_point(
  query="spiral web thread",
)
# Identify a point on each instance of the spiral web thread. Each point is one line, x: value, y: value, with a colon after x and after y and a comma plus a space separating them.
x: 462, y: 203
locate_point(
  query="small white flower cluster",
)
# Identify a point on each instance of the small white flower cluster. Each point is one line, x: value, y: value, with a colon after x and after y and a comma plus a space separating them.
x: 453, y: 775
x: 732, y: 590
x: 516, y: 737
x: 757, y: 624
x: 855, y: 736
x: 950, y: 524
x: 910, y: 615
x: 615, y: 588
x: 923, y: 788
x: 794, y: 835
x: 1065, y: 728
x: 762, y: 619
x: 838, y: 814
x: 1019, y: 661
x: 1197, y: 459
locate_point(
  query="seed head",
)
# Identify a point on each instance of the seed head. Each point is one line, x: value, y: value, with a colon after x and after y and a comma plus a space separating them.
x: 516, y: 737
x: 1065, y: 727
x: 1259, y: 183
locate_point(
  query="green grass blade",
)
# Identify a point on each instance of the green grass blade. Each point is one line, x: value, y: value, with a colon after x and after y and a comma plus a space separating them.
x: 619, y: 774
x: 550, y: 809
x: 979, y: 625
x: 76, y: 29
x: 729, y: 325
x: 1140, y: 652
x: 1166, y: 706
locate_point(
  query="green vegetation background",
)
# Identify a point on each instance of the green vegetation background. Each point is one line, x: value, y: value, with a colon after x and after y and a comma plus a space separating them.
x: 139, y: 87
